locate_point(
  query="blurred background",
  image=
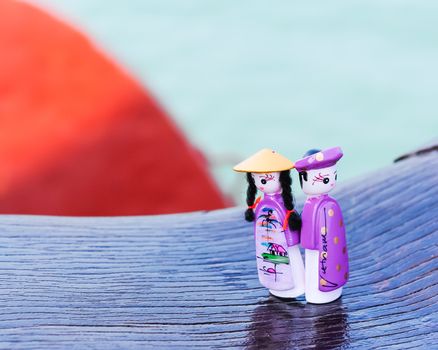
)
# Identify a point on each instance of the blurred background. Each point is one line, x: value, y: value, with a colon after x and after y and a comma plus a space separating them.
x: 142, y: 107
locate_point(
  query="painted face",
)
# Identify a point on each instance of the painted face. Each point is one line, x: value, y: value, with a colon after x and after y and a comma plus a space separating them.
x: 268, y: 183
x: 320, y: 181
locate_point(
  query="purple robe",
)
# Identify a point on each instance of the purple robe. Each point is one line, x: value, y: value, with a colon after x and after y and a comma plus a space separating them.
x: 323, y: 229
x: 273, y: 263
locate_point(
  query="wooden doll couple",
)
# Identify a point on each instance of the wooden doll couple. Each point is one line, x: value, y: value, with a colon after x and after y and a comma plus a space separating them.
x: 279, y: 229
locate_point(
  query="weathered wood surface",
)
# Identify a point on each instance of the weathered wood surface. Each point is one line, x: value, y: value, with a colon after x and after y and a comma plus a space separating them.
x: 189, y: 281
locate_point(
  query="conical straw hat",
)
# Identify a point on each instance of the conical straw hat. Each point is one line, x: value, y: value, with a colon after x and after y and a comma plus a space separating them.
x: 264, y: 161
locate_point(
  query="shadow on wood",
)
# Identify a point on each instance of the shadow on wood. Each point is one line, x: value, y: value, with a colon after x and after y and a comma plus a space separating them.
x: 189, y: 280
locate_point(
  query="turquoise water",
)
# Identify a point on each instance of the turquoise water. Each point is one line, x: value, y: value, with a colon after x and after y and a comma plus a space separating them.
x: 238, y: 76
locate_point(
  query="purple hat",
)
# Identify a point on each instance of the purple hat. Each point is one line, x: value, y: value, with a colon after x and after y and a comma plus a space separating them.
x: 322, y: 159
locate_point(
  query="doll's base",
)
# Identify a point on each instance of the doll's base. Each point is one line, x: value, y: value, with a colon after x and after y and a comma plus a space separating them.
x: 313, y: 294
x: 327, y: 300
x: 297, y: 266
x: 287, y: 294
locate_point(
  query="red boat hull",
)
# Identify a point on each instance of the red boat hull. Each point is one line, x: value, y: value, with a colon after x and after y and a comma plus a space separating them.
x: 79, y: 136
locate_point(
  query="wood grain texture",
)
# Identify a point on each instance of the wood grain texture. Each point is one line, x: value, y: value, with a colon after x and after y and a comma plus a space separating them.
x: 190, y: 281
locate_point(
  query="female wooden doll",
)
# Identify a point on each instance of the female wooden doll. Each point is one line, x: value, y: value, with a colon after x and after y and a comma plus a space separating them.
x: 323, y: 230
x: 276, y: 223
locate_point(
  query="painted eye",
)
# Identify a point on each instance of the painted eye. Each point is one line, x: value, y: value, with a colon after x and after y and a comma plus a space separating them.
x: 326, y: 180
x: 336, y: 176
x: 263, y: 181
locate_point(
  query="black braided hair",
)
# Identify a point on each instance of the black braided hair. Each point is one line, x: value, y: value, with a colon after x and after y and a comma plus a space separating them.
x: 250, y: 197
x: 288, y: 200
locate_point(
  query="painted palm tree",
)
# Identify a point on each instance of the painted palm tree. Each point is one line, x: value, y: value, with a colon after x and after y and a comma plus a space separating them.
x: 269, y: 220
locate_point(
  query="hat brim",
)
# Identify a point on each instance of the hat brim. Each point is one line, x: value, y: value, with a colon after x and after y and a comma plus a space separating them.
x: 264, y: 161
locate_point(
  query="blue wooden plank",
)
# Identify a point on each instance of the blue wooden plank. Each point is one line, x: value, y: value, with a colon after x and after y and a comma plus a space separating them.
x: 189, y: 280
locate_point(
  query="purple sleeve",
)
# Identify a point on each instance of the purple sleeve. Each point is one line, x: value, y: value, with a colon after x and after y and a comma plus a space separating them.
x: 292, y: 237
